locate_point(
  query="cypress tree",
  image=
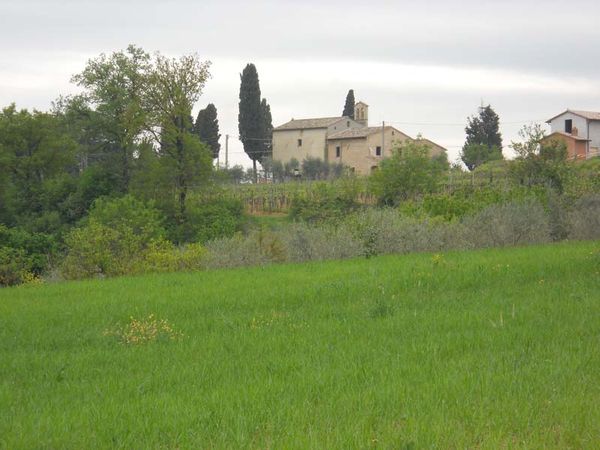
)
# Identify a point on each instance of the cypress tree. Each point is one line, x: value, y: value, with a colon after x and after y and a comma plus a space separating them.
x: 349, y: 106
x: 207, y: 128
x: 250, y: 118
x: 267, y: 130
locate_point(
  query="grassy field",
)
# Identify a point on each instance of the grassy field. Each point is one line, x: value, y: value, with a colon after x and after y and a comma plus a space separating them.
x: 488, y: 349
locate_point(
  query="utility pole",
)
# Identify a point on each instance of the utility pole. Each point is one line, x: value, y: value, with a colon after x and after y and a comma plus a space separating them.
x: 226, y: 151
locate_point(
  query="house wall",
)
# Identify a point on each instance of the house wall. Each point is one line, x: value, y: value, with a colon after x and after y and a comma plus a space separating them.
x: 360, y: 153
x: 594, y: 135
x: 285, y: 144
x: 314, y: 141
x: 558, y: 124
x: 575, y: 149
x: 581, y: 123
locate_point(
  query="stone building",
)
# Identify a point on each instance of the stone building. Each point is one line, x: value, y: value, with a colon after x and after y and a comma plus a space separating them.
x: 351, y: 142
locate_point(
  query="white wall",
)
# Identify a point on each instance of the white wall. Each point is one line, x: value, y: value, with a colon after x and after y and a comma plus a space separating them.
x: 594, y: 134
x: 558, y: 124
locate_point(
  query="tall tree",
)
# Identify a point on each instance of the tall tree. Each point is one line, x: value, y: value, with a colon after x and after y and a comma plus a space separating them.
x: 251, y: 117
x: 349, y: 105
x: 114, y: 85
x: 207, y: 128
x: 35, y: 149
x: 267, y: 131
x: 172, y: 88
x: 484, y: 141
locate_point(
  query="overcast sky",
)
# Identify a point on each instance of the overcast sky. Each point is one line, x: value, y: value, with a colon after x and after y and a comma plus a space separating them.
x: 422, y: 66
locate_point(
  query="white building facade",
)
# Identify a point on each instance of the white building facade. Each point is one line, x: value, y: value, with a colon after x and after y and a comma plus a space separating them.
x: 581, y: 124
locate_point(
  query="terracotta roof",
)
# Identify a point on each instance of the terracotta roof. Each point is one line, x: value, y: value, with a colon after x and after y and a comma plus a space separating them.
x: 359, y: 133
x: 354, y: 133
x: 590, y: 115
x: 567, y: 135
x: 303, y: 124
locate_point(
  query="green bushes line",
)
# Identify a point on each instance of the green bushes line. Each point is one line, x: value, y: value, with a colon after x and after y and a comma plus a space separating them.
x: 381, y: 231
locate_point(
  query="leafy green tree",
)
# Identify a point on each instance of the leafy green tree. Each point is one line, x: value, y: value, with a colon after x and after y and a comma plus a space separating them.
x: 484, y: 141
x: 349, y: 105
x: 207, y: 128
x: 114, y: 85
x: 34, y: 149
x: 540, y: 161
x: 407, y: 173
x: 475, y: 155
x: 252, y: 117
x: 172, y: 88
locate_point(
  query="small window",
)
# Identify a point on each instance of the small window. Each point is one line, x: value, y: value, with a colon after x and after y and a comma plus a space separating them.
x: 378, y: 151
x: 393, y: 133
x: 299, y: 142
x: 352, y: 169
x: 348, y: 123
x: 338, y: 151
x: 568, y: 126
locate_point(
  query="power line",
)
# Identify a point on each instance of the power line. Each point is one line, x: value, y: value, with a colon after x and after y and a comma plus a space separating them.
x: 462, y: 124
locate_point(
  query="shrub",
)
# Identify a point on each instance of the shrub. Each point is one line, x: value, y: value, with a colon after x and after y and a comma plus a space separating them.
x: 325, y: 203
x: 409, y: 172
x: 162, y: 256
x: 311, y: 243
x: 515, y: 223
x: 14, y: 266
x: 117, y: 234
x: 236, y: 251
x: 583, y: 221
x: 208, y: 220
x: 23, y: 255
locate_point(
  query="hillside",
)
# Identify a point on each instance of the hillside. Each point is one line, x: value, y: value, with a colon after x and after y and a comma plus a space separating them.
x: 486, y: 349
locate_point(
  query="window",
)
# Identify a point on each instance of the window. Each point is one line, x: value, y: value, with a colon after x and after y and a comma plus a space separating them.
x: 568, y: 126
x: 378, y: 151
x: 348, y: 123
x: 299, y: 142
x: 338, y: 151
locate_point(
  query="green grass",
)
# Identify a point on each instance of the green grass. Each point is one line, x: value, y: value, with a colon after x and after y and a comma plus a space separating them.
x: 488, y: 349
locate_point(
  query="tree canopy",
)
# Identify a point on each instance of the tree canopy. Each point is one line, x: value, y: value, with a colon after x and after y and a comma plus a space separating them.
x: 207, y: 128
x: 254, y: 119
x: 349, y: 105
x: 484, y: 141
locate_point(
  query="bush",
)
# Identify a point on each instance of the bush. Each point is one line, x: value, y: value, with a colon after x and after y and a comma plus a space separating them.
x: 325, y: 203
x: 116, y: 235
x: 23, y: 255
x: 162, y: 256
x: 408, y: 173
x: 209, y: 220
x: 516, y: 223
x: 583, y: 221
x: 14, y: 266
x: 310, y: 243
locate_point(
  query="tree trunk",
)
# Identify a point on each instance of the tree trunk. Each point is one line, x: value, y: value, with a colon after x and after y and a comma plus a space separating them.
x: 255, y: 174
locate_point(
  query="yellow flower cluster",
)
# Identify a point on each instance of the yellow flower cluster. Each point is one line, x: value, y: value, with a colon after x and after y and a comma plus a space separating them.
x: 142, y: 331
x: 437, y: 259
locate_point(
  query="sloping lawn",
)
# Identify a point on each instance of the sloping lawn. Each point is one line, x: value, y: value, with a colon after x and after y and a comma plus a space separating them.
x: 487, y: 349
